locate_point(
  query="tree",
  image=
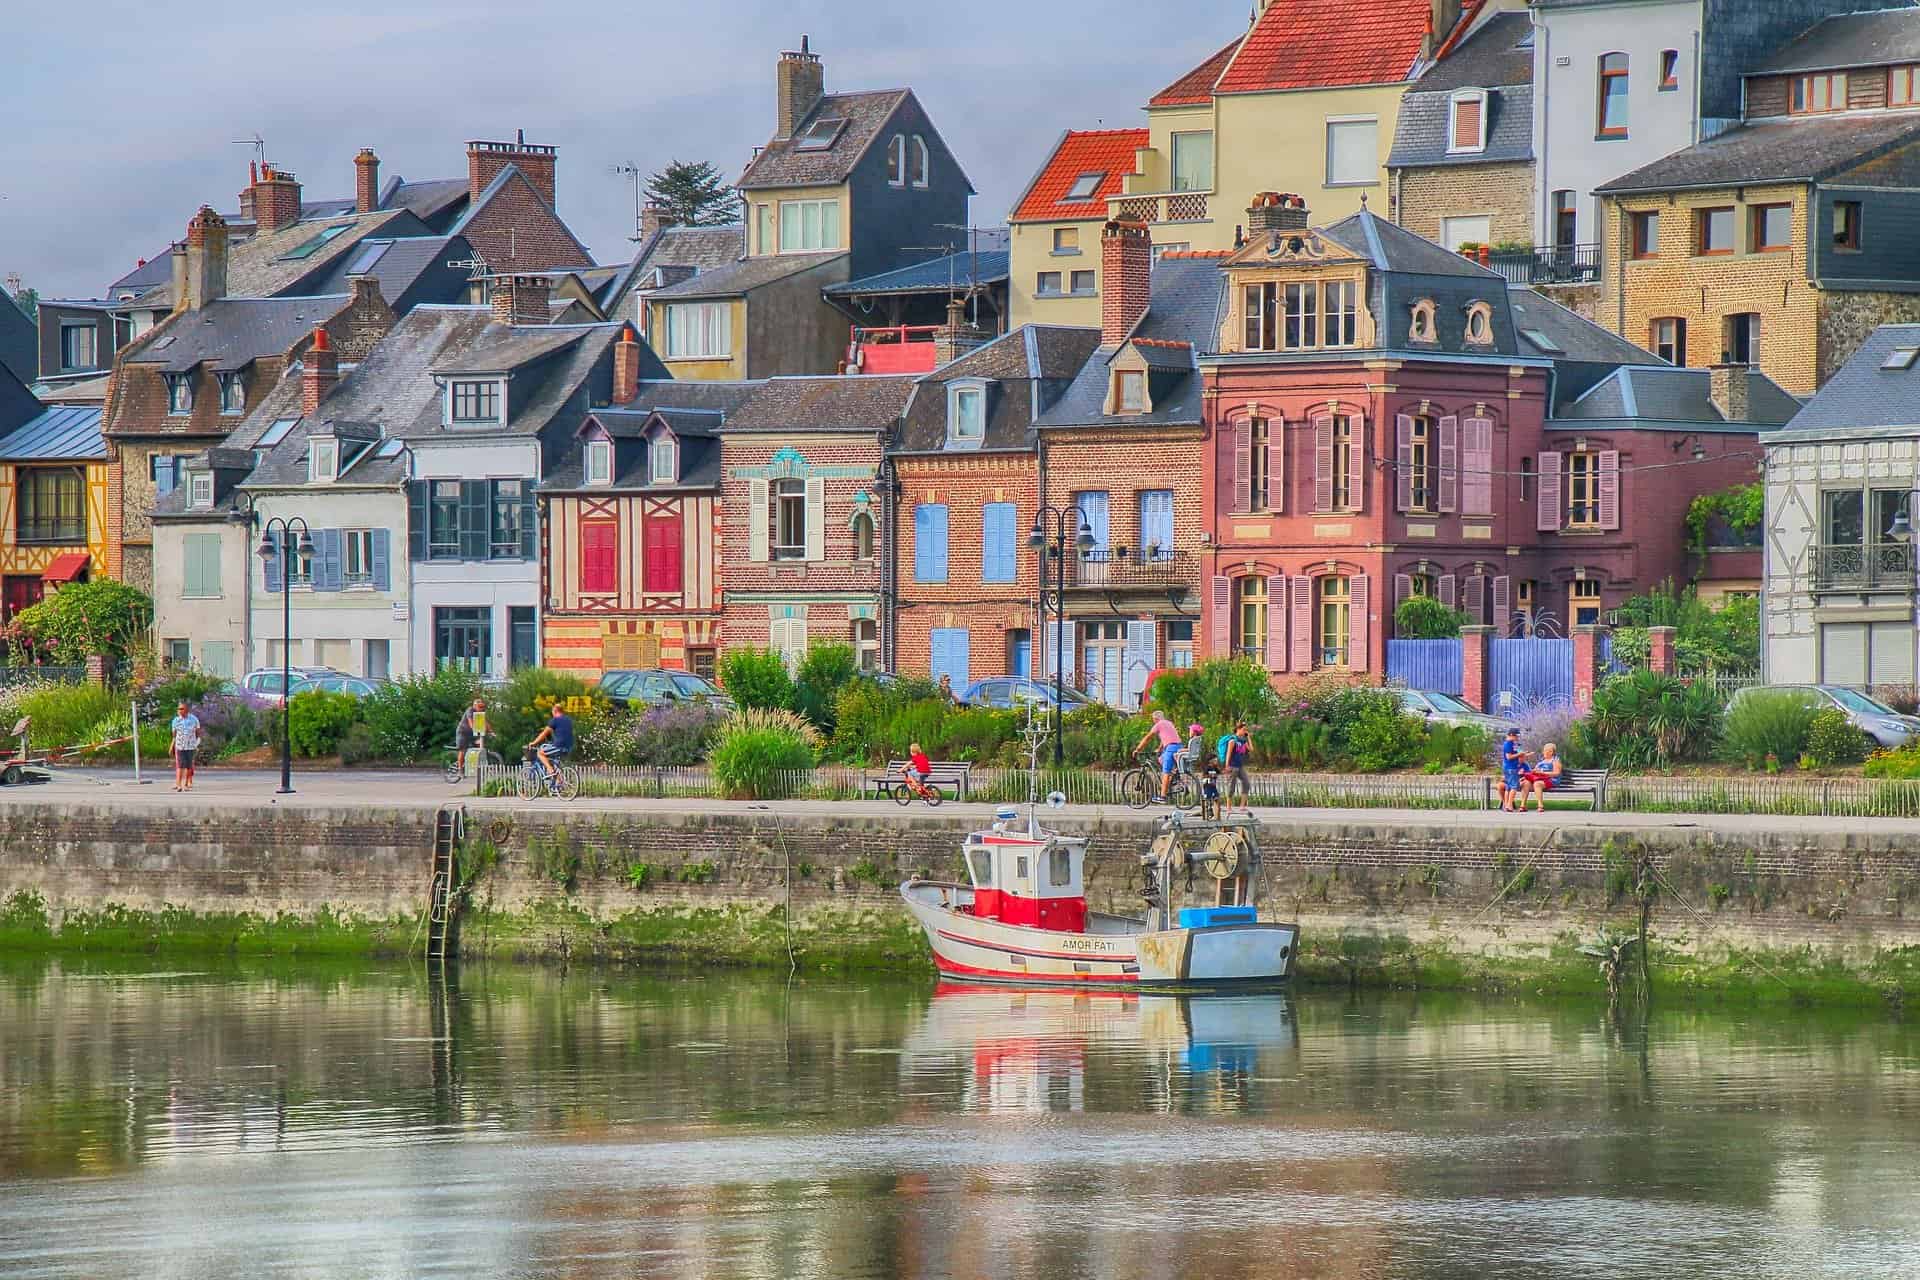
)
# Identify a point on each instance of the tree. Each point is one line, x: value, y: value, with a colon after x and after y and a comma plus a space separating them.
x: 28, y: 300
x: 693, y: 194
x: 1425, y: 618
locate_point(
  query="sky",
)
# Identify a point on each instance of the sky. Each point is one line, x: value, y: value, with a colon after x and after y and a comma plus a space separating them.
x: 121, y: 125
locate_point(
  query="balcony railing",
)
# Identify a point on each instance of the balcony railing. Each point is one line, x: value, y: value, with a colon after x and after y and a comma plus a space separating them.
x: 1555, y: 264
x: 1164, y: 206
x: 1128, y: 568
x: 1876, y: 566
x: 906, y: 348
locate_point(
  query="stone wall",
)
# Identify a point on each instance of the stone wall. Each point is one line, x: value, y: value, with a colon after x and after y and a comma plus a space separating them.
x: 1849, y: 317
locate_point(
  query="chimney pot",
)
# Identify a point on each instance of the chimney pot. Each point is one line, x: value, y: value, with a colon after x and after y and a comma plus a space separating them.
x: 521, y: 299
x: 626, y: 366
x: 485, y: 160
x: 319, y: 372
x: 276, y: 199
x: 799, y: 83
x: 1729, y: 387
x: 206, y: 260
x: 366, y: 181
x: 1273, y: 211
x: 654, y: 218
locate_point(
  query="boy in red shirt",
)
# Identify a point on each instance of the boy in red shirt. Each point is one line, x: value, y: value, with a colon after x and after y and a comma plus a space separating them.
x: 919, y: 768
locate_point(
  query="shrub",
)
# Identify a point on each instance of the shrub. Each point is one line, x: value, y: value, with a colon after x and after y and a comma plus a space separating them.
x: 1425, y: 618
x: 414, y: 717
x: 1339, y: 705
x: 1646, y: 718
x: 84, y: 618
x: 1904, y: 698
x: 757, y: 750
x: 1832, y: 740
x: 1561, y: 726
x: 1769, y: 723
x: 232, y: 722
x: 520, y: 708
x: 663, y: 737
x: 757, y: 678
x: 159, y: 698
x: 1382, y: 737
x: 824, y: 672
x: 316, y: 721
x: 64, y: 715
x: 358, y: 744
x: 1449, y: 744
x: 1099, y: 737
x: 1900, y: 764
x: 1218, y: 693
x: 1299, y: 742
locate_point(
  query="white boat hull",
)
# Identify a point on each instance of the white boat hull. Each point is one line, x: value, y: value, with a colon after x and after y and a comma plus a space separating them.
x: 1113, y: 951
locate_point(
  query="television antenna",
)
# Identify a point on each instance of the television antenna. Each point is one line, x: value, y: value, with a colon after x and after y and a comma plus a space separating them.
x: 259, y: 145
x: 631, y: 172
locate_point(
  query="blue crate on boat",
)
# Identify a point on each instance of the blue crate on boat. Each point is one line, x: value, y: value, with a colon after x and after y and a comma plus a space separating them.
x: 1201, y: 917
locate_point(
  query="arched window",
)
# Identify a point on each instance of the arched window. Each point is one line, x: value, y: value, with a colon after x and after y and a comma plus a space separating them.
x: 1422, y: 328
x: 1480, y: 324
x: 917, y: 169
x: 862, y: 535
x: 897, y: 161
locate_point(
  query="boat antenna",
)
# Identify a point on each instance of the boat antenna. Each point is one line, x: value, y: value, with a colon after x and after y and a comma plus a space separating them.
x: 1035, y: 734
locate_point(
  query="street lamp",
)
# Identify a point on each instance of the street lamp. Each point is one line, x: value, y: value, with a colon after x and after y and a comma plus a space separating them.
x: 269, y: 551
x: 1037, y: 539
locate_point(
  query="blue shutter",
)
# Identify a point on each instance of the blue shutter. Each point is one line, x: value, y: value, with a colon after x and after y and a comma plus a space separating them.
x: 417, y: 517
x: 382, y: 572
x: 997, y: 542
x: 950, y: 653
x: 930, y: 542
x: 476, y: 519
x: 274, y: 562
x: 1092, y: 507
x: 529, y: 522
x: 1156, y: 521
x: 329, y: 560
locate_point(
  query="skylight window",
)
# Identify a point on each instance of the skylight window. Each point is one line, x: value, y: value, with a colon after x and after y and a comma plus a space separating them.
x: 1085, y: 185
x: 369, y: 255
x: 276, y: 433
x: 1900, y: 358
x: 821, y: 134
x: 1543, y: 342
x: 391, y: 449
x: 316, y: 244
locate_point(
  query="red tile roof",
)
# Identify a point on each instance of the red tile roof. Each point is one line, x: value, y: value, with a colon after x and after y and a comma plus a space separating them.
x: 1312, y: 44
x: 1195, y: 87
x: 1104, y: 151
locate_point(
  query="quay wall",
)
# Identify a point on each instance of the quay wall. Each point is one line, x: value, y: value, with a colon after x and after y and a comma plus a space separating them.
x: 1418, y: 901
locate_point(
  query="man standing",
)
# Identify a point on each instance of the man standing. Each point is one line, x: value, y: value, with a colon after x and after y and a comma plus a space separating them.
x: 186, y: 741
x: 1169, y: 735
x: 1235, y: 749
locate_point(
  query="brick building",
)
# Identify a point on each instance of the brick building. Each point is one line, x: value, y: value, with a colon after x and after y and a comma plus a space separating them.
x: 804, y: 512
x: 510, y: 217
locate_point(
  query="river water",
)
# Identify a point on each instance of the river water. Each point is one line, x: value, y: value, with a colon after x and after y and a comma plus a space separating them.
x: 378, y: 1121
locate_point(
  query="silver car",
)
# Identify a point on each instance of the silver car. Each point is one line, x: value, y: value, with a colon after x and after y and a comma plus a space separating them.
x: 1887, y: 727
x: 1447, y: 708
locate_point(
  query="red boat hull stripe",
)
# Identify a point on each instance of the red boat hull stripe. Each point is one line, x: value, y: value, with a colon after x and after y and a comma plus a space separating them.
x: 1081, y: 956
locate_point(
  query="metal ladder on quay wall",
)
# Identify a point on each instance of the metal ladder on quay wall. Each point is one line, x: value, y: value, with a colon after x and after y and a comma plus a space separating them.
x: 449, y: 825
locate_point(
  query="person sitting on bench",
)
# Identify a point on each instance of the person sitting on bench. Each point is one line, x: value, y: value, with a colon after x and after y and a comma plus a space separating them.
x: 1543, y: 777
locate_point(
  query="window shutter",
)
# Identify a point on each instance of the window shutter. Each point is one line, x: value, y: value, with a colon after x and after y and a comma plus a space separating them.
x: 816, y: 519
x: 1476, y: 486
x: 1141, y: 648
x: 1357, y: 477
x: 666, y: 554
x: 598, y: 541
x: 1450, y: 463
x: 1402, y: 591
x: 1301, y: 614
x: 1548, y: 520
x: 1220, y: 617
x: 996, y: 542
x: 382, y: 561
x: 1276, y: 464
x: 190, y: 565
x: 1610, y: 489
x: 1243, y: 465
x: 1403, y: 453
x: 276, y: 562
x: 1066, y: 638
x: 417, y: 519
x: 1449, y: 590
x: 759, y: 518
x: 1156, y: 520
x: 1323, y: 464
x: 529, y: 522
x: 1502, y: 593
x: 949, y: 650
x: 930, y: 542
x: 1476, y: 601
x: 1277, y: 652
x: 329, y: 570
x: 476, y: 515
x: 1359, y: 626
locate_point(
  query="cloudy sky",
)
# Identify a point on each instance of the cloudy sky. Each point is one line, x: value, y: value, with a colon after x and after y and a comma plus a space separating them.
x: 122, y: 123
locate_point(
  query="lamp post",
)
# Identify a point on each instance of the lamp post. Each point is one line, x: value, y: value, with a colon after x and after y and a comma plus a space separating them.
x: 269, y: 550
x: 1057, y: 549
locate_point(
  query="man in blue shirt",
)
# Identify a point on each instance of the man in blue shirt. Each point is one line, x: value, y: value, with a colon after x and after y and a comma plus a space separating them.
x: 1512, y: 760
x: 555, y: 742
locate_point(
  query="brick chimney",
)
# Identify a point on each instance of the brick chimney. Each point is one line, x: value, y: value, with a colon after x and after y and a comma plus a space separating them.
x: 1441, y: 17
x: 276, y: 199
x: 485, y: 160
x: 319, y: 372
x: 246, y: 197
x: 1126, y: 279
x: 521, y: 299
x: 626, y: 366
x: 654, y: 219
x: 206, y: 258
x: 957, y: 336
x: 799, y: 82
x: 1276, y: 211
x: 1728, y: 390
x: 366, y: 181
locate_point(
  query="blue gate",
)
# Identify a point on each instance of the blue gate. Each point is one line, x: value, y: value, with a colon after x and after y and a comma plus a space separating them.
x: 1432, y: 665
x: 1523, y: 674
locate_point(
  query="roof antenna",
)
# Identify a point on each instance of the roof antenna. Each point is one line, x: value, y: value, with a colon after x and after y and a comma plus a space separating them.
x: 259, y: 145
x: 803, y: 43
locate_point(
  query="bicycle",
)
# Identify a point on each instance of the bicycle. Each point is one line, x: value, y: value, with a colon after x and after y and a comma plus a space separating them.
x: 1140, y: 785
x: 904, y: 792
x: 534, y: 782
x: 456, y: 768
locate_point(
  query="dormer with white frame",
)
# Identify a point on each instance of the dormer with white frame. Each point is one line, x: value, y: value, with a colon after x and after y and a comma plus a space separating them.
x: 473, y: 402
x: 1467, y: 112
x: 967, y: 408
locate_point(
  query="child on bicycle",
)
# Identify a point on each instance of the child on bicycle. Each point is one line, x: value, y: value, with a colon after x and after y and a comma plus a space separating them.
x: 919, y: 768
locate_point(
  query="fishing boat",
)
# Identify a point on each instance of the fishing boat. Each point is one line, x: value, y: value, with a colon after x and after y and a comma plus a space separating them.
x: 1023, y: 916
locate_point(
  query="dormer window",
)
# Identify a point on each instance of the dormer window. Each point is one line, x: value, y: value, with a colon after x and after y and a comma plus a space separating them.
x: 599, y: 462
x: 897, y: 161
x: 200, y: 490
x: 1480, y: 324
x: 917, y: 161
x: 179, y: 393
x: 323, y: 459
x: 1467, y: 124
x: 1422, y: 327
x: 1083, y: 187
x: 663, y: 460
x: 233, y: 394
x: 967, y: 414
x: 474, y: 402
x: 1129, y: 391
x: 1815, y: 94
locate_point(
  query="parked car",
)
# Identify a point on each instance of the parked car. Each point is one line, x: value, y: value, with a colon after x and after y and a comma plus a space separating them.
x: 264, y: 682
x: 1880, y: 722
x: 1004, y: 692
x: 357, y: 686
x: 1447, y: 708
x: 660, y: 686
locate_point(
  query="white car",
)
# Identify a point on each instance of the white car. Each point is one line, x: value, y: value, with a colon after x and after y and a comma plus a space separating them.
x: 264, y: 682
x: 1887, y: 727
x: 1447, y: 708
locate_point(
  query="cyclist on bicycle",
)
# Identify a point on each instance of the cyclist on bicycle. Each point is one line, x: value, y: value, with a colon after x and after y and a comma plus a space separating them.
x: 555, y: 742
x: 1169, y: 735
x: 919, y: 769
x: 472, y: 731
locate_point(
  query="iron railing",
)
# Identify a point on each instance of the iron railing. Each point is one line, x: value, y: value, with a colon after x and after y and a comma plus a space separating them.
x: 1873, y: 566
x: 1150, y: 568
x: 1555, y: 264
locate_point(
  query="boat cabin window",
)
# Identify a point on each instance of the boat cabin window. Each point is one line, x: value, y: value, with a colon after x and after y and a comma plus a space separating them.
x: 980, y: 863
x: 1020, y: 868
x: 1059, y: 869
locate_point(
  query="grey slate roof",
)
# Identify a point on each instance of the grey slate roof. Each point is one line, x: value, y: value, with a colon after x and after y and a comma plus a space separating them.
x: 406, y: 267
x: 1577, y: 337
x: 737, y: 278
x: 231, y: 333
x: 425, y: 200
x: 66, y: 433
x: 782, y: 164
x: 939, y: 275
x: 1850, y: 40
x: 1492, y: 55
x: 695, y: 411
x: 19, y: 340
x: 1027, y: 371
x: 1804, y: 149
x: 257, y: 267
x: 1656, y: 394
x: 1421, y: 136
x: 1183, y: 307
x: 1409, y: 269
x: 1862, y: 394
x: 867, y: 403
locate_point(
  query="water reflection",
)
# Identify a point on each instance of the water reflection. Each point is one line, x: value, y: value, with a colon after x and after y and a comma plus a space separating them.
x: 396, y: 1122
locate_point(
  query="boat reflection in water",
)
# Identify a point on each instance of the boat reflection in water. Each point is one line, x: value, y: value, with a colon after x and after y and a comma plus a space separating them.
x: 1025, y: 1051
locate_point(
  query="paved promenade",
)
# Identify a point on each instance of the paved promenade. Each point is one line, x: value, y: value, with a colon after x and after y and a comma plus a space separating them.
x: 424, y: 789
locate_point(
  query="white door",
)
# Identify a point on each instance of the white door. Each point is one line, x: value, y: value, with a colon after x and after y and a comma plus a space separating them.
x: 1474, y: 229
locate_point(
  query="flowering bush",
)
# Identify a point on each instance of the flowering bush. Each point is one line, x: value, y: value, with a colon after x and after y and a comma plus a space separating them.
x: 666, y: 736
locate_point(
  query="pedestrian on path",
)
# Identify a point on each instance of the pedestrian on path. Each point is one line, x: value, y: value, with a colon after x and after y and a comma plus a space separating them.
x: 186, y: 741
x: 1235, y: 749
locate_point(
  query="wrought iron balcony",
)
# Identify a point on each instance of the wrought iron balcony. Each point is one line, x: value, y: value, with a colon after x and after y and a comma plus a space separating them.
x: 1164, y: 206
x: 1131, y: 569
x: 1553, y: 264
x: 1876, y: 566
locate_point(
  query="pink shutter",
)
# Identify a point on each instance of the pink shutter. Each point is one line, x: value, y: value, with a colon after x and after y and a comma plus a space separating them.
x: 1302, y: 625
x: 1449, y: 463
x: 1359, y: 626
x: 1548, y: 520
x: 1476, y: 488
x: 1477, y: 598
x: 1403, y: 453
x: 1276, y: 464
x: 1449, y: 590
x: 1243, y: 465
x: 1220, y: 619
x: 1277, y: 652
x: 1402, y: 590
x: 1357, y: 477
x: 1323, y: 464
x: 1610, y: 489
x: 1502, y: 593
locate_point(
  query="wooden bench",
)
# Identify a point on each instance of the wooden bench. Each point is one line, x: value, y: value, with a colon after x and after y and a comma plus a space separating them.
x: 953, y: 774
x: 1573, y: 782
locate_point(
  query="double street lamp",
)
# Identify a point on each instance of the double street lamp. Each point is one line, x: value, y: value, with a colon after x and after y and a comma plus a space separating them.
x: 273, y: 542
x: 1056, y: 550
